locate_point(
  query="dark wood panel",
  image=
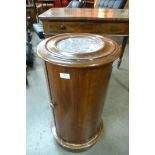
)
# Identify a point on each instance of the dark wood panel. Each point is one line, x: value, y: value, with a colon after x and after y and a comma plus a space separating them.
x: 31, y: 12
x: 86, y: 27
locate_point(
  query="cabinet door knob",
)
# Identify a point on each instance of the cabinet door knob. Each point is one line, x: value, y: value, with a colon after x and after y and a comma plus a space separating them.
x: 62, y: 26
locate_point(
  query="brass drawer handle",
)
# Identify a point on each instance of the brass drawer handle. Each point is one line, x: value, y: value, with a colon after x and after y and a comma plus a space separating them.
x: 62, y: 26
x: 52, y: 105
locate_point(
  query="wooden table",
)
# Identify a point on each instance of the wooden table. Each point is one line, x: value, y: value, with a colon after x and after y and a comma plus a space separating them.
x: 99, y: 21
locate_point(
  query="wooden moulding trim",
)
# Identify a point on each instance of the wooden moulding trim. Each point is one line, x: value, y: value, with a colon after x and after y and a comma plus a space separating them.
x: 79, y: 19
x: 44, y: 53
x: 73, y: 146
x: 105, y: 34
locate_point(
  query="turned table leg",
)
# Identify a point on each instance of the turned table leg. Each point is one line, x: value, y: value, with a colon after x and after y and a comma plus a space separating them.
x: 125, y: 39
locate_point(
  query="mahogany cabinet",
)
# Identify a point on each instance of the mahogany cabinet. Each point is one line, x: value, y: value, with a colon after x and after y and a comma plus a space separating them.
x: 78, y: 68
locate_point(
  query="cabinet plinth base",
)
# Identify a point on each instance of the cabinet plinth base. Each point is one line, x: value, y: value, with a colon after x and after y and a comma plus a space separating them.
x: 78, y: 147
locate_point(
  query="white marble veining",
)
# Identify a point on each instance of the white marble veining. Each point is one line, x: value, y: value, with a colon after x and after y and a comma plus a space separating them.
x: 80, y: 44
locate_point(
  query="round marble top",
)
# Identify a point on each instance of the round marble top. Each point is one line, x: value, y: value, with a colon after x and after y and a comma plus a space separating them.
x: 80, y: 44
x: 78, y: 50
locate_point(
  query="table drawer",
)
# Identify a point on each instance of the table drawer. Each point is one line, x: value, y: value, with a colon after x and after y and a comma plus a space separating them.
x: 86, y: 27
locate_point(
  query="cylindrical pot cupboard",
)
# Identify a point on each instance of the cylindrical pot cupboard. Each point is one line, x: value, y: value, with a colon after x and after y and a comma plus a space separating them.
x: 78, y: 69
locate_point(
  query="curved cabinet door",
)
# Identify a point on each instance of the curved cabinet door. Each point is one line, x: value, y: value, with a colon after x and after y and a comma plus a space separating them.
x: 78, y: 96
